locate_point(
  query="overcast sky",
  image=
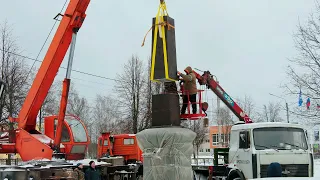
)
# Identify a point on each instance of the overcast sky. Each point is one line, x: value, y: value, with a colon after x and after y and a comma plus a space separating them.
x: 244, y: 43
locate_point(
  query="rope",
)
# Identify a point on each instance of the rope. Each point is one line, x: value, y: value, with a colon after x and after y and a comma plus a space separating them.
x: 159, y: 27
x: 162, y: 24
x: 159, y: 15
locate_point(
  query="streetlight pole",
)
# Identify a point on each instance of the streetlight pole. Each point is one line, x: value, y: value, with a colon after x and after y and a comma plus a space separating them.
x: 287, y: 107
x: 218, y: 117
x: 287, y: 111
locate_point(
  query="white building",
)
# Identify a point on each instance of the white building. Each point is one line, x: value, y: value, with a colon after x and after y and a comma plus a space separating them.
x: 204, y: 149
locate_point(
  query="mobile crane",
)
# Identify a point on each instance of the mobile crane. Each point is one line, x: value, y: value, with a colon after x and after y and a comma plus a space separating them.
x: 69, y: 130
x: 254, y: 146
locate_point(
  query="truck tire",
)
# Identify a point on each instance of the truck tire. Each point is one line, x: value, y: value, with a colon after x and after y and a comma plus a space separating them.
x: 236, y: 175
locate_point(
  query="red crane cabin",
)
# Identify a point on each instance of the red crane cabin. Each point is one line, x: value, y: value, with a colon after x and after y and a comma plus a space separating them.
x: 125, y: 145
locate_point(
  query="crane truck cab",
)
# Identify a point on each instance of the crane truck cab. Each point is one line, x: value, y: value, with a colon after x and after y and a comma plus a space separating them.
x: 253, y: 147
x: 124, y: 145
x: 74, y: 136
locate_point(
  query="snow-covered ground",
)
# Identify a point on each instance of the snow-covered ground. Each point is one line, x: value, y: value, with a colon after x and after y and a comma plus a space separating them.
x: 317, y: 168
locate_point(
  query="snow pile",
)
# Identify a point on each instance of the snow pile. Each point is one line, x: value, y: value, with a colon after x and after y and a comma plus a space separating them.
x: 122, y: 172
x: 86, y: 162
x: 113, y: 157
x: 132, y: 164
x: 317, y: 168
x: 26, y: 166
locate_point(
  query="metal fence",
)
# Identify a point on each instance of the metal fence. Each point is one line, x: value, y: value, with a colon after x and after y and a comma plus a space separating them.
x: 10, y: 162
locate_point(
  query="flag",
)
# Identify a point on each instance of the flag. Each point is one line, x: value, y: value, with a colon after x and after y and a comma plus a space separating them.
x: 308, y: 103
x: 300, y: 98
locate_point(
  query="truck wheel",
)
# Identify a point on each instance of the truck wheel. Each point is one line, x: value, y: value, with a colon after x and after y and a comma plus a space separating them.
x: 236, y: 176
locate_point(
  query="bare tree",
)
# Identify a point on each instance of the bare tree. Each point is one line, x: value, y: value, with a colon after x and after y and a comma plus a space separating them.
x: 147, y: 101
x: 304, y: 69
x: 200, y: 130
x: 271, y: 112
x: 130, y: 85
x: 226, y: 122
x: 106, y: 115
x: 201, y: 133
x: 78, y: 106
x: 50, y: 106
x: 14, y: 72
x: 247, y: 106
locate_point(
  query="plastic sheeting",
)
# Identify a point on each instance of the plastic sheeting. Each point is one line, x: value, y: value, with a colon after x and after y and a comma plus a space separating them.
x: 166, y: 153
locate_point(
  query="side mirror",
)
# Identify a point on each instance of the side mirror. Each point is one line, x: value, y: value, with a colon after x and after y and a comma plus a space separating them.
x: 244, y: 140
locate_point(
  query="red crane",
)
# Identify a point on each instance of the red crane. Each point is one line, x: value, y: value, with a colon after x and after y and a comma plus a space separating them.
x: 208, y: 80
x: 26, y: 140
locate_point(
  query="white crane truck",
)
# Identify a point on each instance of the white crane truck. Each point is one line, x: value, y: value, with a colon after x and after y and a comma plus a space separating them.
x: 254, y: 146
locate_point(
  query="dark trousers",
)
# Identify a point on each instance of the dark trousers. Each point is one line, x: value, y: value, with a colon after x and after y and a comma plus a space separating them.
x: 192, y: 99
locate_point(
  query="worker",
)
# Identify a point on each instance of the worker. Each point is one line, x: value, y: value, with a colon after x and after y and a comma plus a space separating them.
x: 92, y: 173
x: 274, y: 170
x: 107, y: 153
x: 210, y: 172
x: 79, y: 172
x: 190, y: 90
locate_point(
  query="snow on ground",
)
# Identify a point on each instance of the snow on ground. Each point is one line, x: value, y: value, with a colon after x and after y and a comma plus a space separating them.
x: 317, y: 168
x: 86, y: 162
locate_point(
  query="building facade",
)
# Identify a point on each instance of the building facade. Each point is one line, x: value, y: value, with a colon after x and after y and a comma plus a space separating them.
x: 211, y: 140
x: 214, y: 136
x: 204, y: 149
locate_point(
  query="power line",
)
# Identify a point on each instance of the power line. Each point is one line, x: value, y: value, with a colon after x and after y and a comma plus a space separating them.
x: 44, y: 43
x: 36, y: 59
x: 81, y: 72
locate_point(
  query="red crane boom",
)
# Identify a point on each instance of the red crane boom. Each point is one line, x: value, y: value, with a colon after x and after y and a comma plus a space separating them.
x: 70, y: 23
x: 26, y: 136
x: 207, y: 79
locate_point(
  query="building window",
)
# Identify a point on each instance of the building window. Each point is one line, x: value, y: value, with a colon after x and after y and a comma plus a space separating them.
x: 215, y: 139
x: 207, y: 140
x: 128, y: 141
x: 207, y: 150
x: 105, y: 142
x: 225, y: 138
x: 201, y: 150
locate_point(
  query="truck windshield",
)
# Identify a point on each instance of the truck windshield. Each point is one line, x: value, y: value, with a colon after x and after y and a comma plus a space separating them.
x: 78, y: 130
x: 281, y: 138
